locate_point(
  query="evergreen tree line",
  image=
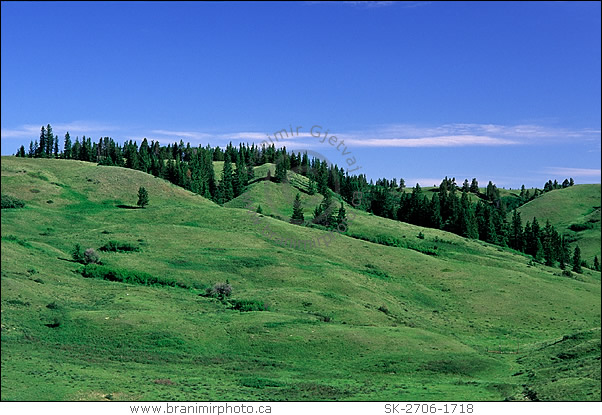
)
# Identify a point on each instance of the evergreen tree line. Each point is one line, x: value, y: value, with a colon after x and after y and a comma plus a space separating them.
x: 450, y: 208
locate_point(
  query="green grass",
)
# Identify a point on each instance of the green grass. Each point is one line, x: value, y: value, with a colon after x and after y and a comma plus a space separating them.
x: 354, y: 320
x: 574, y: 211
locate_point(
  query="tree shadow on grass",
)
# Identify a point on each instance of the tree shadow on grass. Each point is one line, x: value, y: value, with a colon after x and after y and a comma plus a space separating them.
x: 128, y: 207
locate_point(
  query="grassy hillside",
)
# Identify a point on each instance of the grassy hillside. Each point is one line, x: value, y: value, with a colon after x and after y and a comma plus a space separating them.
x: 351, y: 320
x: 574, y: 211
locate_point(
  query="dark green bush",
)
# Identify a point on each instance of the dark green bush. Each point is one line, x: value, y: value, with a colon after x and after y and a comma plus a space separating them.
x: 9, y: 202
x: 128, y: 276
x: 249, y: 305
x: 116, y: 246
x: 578, y: 227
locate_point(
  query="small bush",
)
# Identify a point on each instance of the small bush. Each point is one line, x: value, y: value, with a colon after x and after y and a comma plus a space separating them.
x: 578, y: 227
x: 9, y: 202
x: 77, y: 254
x: 53, y: 306
x: 383, y: 309
x: 420, y: 235
x: 116, y: 246
x: 91, y: 257
x: 128, y: 276
x: 249, y: 305
x: 567, y: 273
x: 220, y: 290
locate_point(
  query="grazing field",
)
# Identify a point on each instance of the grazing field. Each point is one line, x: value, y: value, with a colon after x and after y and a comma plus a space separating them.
x: 378, y: 314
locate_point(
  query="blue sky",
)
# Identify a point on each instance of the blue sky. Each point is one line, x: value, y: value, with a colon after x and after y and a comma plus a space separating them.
x: 500, y: 91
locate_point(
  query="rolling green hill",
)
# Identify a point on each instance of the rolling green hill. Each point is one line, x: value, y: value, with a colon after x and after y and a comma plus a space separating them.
x: 574, y: 211
x: 377, y: 315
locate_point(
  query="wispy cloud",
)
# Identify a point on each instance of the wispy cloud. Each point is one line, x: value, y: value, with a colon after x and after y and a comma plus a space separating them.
x: 31, y: 131
x: 573, y: 171
x: 440, y: 141
x: 381, y: 136
x: 182, y: 134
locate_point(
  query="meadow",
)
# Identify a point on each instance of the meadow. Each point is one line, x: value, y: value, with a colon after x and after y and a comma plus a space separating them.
x: 377, y: 314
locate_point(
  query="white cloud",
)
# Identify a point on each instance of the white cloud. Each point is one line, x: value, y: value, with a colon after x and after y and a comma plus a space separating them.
x: 74, y: 128
x: 440, y: 141
x: 573, y: 171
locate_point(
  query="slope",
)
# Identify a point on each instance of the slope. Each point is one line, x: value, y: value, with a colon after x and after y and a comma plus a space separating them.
x: 346, y: 320
x: 574, y: 211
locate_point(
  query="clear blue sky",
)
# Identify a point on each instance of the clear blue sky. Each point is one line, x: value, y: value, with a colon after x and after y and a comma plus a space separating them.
x: 508, y: 92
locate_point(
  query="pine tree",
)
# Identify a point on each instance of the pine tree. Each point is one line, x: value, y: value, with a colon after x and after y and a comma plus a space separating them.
x: 142, y: 197
x: 571, y: 182
x: 226, y: 189
x: 49, y: 140
x: 577, y: 260
x: 311, y: 187
x: 280, y: 175
x: 516, y: 232
x: 41, y: 151
x: 435, y: 212
x: 56, y: 146
x: 67, y: 146
x: 563, y: 254
x: 474, y: 186
x: 297, y: 217
x: 259, y: 209
x: 21, y: 152
x: 323, y: 213
x: 342, y: 217
x: 466, y: 186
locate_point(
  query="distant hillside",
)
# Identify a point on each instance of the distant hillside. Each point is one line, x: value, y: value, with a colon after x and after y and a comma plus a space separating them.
x: 574, y: 211
x: 436, y: 317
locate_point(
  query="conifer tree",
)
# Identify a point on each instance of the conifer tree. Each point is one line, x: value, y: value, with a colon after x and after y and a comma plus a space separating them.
x: 42, y: 144
x: 56, y: 146
x: 226, y: 190
x: 280, y: 175
x: 466, y: 186
x: 323, y: 213
x: 297, y: 217
x: 516, y: 232
x: 142, y: 197
x: 563, y: 255
x: 67, y: 146
x: 435, y: 212
x: 49, y: 140
x: 577, y: 260
x: 474, y: 186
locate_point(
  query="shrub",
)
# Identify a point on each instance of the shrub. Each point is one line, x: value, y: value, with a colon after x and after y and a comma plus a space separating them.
x: 567, y: 273
x: 116, y: 246
x: 9, y: 202
x: 220, y: 290
x: 578, y: 227
x: 128, y: 276
x: 249, y: 305
x: 91, y: 257
x: 77, y: 254
x: 420, y: 235
x: 383, y: 309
